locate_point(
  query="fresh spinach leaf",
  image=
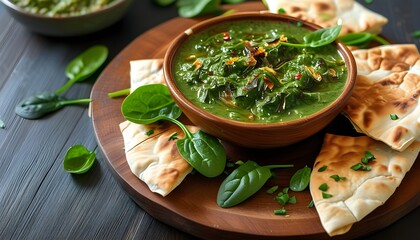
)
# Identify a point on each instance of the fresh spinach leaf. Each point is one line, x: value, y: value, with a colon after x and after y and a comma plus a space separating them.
x: 318, y: 38
x: 244, y: 182
x: 84, y: 65
x: 416, y: 34
x: 79, y: 159
x: 39, y: 105
x: 193, y: 8
x: 78, y: 69
x: 361, y: 39
x: 300, y: 179
x: 322, y: 37
x: 204, y: 153
x: 150, y: 103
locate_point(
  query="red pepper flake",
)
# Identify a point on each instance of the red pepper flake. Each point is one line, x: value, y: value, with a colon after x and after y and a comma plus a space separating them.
x: 268, y: 83
x: 226, y: 36
x: 298, y: 76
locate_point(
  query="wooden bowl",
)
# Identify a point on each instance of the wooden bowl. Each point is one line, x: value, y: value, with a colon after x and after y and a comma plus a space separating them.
x: 66, y: 26
x: 256, y: 135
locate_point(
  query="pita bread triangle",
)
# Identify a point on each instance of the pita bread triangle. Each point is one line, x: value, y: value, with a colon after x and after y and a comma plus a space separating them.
x: 356, y: 193
x: 385, y: 101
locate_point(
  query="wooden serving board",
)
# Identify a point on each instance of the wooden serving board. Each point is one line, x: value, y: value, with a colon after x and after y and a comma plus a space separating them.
x: 192, y: 207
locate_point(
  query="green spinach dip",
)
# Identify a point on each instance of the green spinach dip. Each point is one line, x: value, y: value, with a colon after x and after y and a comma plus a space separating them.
x: 243, y: 72
x: 61, y: 7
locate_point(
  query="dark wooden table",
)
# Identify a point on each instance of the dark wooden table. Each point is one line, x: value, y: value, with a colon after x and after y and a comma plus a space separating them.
x: 38, y: 199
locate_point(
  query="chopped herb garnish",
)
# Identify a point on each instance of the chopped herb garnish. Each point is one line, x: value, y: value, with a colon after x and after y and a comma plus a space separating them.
x: 357, y: 166
x: 283, y: 197
x: 280, y: 211
x: 292, y: 200
x: 326, y: 195
x: 368, y: 1
x: 299, y: 24
x: 367, y: 158
x: 337, y: 178
x: 2, y: 125
x: 416, y: 34
x: 367, y: 168
x: 281, y: 10
x: 310, y: 204
x: 273, y: 189
x: 323, y: 168
x: 361, y: 167
x: 393, y: 116
x: 174, y: 136
x: 150, y: 132
x: 323, y: 187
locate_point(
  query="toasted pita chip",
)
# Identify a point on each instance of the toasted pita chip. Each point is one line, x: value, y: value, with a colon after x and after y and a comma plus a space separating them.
x: 154, y: 158
x: 326, y: 13
x: 360, y: 192
x: 388, y: 83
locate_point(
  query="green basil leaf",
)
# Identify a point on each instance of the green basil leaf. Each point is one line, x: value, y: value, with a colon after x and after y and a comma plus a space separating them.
x: 322, y: 37
x: 150, y: 103
x: 300, y: 179
x: 242, y: 183
x: 78, y: 159
x: 204, y: 153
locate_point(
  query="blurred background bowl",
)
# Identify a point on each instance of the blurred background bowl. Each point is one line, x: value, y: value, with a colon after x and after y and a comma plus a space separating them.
x: 65, y: 26
x: 256, y: 135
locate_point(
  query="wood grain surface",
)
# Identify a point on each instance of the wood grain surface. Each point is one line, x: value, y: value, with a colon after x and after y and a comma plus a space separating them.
x: 192, y: 206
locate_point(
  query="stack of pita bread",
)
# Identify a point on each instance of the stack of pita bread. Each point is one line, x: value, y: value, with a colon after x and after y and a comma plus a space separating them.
x: 384, y: 107
x: 388, y: 83
x: 150, y: 151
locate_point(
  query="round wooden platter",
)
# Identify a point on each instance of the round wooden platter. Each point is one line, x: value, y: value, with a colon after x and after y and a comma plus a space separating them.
x: 192, y: 207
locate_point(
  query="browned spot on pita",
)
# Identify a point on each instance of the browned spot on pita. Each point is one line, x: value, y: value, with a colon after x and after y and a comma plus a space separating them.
x: 396, y: 169
x: 294, y: 9
x: 367, y: 119
x: 321, y: 7
x: 398, y: 133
